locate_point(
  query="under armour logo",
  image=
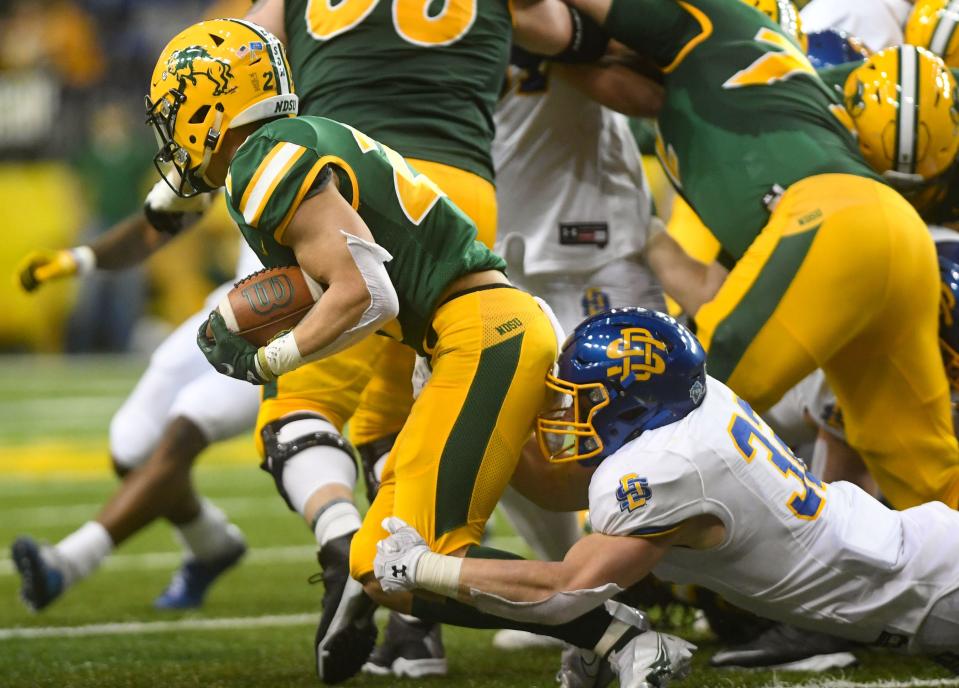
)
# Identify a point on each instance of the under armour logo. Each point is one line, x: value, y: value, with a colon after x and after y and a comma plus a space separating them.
x: 399, y: 571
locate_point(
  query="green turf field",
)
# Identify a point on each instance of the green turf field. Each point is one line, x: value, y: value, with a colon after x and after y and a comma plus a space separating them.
x: 267, y: 611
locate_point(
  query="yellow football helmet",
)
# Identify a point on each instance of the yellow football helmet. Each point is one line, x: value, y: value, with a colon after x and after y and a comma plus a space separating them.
x: 903, y: 102
x: 211, y: 77
x: 932, y: 25
x: 785, y: 14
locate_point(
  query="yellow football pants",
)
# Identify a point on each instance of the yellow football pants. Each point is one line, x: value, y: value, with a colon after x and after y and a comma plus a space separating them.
x: 369, y: 383
x: 844, y: 277
x: 459, y: 447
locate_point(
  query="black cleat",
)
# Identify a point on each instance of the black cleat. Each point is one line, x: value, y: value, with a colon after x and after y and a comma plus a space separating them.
x: 411, y: 648
x: 346, y: 634
x: 787, y: 647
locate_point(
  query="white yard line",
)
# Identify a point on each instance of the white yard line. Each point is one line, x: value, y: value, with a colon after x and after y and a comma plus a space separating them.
x: 170, y: 560
x: 142, y: 627
x: 43, y: 516
x: 257, y: 556
x: 894, y: 683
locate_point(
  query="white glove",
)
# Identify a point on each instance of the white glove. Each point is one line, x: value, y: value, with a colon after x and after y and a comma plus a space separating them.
x: 398, y: 555
x: 652, y: 660
x: 171, y: 214
x: 422, y: 374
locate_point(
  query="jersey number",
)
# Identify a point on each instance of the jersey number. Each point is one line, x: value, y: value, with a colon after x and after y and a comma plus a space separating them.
x: 418, y: 22
x: 416, y: 193
x: 752, y: 438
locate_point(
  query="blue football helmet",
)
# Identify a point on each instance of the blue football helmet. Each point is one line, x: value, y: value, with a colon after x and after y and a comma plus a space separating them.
x: 620, y: 373
x: 949, y: 309
x: 830, y: 48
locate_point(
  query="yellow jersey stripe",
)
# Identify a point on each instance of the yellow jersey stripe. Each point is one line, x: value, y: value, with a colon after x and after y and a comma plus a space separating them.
x: 273, y: 168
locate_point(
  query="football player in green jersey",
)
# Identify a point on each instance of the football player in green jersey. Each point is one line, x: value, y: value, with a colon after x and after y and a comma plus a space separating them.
x: 387, y: 242
x: 762, y: 150
x: 426, y: 89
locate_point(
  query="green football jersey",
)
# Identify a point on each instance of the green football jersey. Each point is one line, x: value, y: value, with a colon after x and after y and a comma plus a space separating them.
x: 744, y: 112
x: 422, y: 77
x: 431, y: 240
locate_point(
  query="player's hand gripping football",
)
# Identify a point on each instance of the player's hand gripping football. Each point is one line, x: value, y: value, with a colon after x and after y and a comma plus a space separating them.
x: 230, y: 354
x: 39, y: 267
x: 398, y: 555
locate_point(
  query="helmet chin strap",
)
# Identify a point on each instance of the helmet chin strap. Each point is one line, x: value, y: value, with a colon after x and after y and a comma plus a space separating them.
x: 214, y: 137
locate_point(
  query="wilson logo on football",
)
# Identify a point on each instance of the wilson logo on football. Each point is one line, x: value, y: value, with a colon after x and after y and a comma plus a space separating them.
x: 638, y: 351
x: 266, y: 296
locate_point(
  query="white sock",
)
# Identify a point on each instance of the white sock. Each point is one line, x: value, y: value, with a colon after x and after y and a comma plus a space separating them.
x: 81, y: 552
x: 336, y: 519
x: 210, y: 534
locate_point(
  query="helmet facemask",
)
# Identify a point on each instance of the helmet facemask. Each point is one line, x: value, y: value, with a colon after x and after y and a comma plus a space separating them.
x: 566, y: 432
x: 173, y: 161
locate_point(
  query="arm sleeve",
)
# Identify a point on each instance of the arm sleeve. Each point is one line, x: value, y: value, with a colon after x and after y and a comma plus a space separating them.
x: 652, y: 498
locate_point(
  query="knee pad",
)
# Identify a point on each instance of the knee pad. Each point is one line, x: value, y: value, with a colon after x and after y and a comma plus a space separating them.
x: 330, y: 458
x: 372, y: 454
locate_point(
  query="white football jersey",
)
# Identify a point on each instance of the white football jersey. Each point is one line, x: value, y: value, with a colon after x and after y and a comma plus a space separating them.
x: 569, y: 179
x: 825, y: 557
x: 877, y: 23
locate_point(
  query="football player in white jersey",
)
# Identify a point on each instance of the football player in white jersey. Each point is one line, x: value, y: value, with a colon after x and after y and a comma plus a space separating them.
x: 574, y: 209
x: 813, y: 404
x: 179, y: 406
x: 695, y: 487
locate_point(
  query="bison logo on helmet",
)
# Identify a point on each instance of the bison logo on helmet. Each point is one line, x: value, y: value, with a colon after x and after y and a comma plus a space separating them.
x: 183, y: 65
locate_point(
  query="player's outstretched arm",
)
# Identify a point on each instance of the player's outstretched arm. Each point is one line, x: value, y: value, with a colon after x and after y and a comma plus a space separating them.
x: 129, y: 242
x: 596, y: 568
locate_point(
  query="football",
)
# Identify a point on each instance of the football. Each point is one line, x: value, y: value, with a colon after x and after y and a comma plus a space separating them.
x: 268, y: 302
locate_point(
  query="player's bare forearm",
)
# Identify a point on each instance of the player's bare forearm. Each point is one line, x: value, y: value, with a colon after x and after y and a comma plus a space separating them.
x: 615, y: 86
x: 591, y: 563
x: 551, y: 486
x: 127, y: 243
x: 684, y: 278
x: 542, y: 27
x: 319, y: 236
x: 269, y: 15
x: 339, y: 309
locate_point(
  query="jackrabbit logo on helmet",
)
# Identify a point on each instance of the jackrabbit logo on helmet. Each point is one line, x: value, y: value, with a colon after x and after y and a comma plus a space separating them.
x: 183, y: 65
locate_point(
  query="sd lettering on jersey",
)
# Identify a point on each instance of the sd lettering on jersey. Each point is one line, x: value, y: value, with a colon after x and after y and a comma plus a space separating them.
x: 267, y: 296
x: 639, y: 353
x: 633, y: 492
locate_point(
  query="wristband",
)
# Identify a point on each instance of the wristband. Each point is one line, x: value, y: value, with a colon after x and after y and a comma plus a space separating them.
x: 280, y: 356
x: 588, y: 42
x: 438, y: 573
x: 85, y: 259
